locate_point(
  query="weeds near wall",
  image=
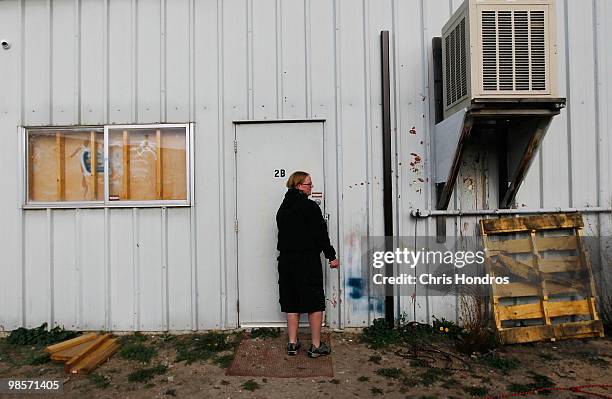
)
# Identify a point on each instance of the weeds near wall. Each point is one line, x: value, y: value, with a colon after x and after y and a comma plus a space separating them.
x: 605, y: 312
x: 477, y: 336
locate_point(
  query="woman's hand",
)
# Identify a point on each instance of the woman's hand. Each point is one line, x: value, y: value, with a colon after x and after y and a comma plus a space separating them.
x: 334, y: 263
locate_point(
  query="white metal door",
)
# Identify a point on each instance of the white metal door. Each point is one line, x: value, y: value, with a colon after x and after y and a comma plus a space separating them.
x: 266, y: 155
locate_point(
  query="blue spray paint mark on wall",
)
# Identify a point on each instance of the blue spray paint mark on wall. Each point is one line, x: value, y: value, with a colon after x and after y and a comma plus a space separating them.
x: 356, y: 287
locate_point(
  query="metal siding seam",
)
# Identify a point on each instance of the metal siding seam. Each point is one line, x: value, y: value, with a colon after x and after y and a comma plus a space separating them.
x: 77, y: 60
x: 307, y: 68
x: 107, y: 272
x: 192, y: 83
x: 22, y: 302
x: 135, y: 271
x: 78, y: 270
x: 106, y: 61
x: 193, y: 269
x: 367, y: 120
x: 192, y: 209
x: 568, y: 107
x: 279, y: 61
x: 395, y: 120
x: 221, y: 189
x: 22, y: 61
x: 51, y: 292
x: 164, y: 277
x: 164, y: 62
x: 541, y: 176
x: 596, y: 110
x: 23, y: 270
x: 134, y: 61
x: 425, y: 105
x: 338, y: 128
x: 249, y: 59
x: 50, y: 14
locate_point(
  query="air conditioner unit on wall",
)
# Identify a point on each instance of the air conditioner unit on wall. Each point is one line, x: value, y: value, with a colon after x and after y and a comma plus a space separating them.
x: 499, y: 49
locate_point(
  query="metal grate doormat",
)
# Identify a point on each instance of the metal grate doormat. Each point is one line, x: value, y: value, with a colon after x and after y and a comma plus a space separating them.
x: 268, y: 358
x: 551, y: 294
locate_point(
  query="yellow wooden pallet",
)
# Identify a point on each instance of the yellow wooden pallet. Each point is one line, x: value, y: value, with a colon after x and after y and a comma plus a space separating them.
x: 543, y: 288
x: 85, y: 353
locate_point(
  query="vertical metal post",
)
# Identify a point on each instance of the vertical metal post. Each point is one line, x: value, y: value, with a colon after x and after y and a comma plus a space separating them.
x: 436, y: 46
x: 387, y: 169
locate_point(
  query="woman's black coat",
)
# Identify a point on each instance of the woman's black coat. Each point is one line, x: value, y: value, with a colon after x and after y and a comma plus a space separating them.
x: 302, y: 235
x: 301, y: 226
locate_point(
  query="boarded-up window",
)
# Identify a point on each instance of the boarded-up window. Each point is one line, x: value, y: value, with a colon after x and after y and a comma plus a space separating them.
x: 147, y: 164
x: 65, y: 165
x: 140, y: 163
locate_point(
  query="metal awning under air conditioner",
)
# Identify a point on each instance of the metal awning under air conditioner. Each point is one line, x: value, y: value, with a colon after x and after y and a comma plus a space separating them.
x: 516, y: 126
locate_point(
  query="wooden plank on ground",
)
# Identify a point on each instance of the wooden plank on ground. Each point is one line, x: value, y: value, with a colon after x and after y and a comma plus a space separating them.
x: 70, y: 343
x: 67, y: 354
x: 103, y: 353
x: 97, y: 343
x: 528, y: 223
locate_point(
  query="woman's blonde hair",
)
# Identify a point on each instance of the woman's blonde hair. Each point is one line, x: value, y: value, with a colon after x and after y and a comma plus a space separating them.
x: 296, y: 178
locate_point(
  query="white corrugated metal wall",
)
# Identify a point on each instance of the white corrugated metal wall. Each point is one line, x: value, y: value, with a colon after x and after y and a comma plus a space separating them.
x: 213, y: 62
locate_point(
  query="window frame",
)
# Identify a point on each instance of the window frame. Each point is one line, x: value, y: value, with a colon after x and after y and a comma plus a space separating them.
x: 106, y: 203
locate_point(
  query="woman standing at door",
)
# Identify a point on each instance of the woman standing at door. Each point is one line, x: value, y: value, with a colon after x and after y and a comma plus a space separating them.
x: 302, y: 235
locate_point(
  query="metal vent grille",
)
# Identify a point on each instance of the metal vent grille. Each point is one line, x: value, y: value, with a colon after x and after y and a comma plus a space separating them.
x: 456, y: 64
x: 513, y: 50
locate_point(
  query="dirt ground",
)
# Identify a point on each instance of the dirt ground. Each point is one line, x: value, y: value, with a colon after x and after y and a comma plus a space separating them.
x: 358, y: 372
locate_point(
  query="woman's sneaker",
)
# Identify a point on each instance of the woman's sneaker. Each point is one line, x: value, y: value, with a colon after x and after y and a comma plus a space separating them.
x: 292, y: 348
x: 322, y: 350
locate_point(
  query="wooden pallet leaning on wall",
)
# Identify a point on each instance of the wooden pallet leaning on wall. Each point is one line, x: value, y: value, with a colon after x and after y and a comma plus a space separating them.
x: 551, y: 294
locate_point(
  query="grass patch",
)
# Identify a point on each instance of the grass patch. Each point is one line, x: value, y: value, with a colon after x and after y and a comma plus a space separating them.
x: 503, y: 364
x: 36, y: 359
x: 137, y: 351
x: 391, y: 372
x: 540, y: 382
x: 146, y: 375
x: 363, y: 378
x: 598, y: 362
x: 100, y: 381
x: 265, y: 332
x: 431, y: 376
x: 40, y: 336
x: 478, y: 340
x: 410, y: 381
x: 380, y: 334
x: 418, y: 363
x: 202, y: 347
x: 251, y: 385
x: 223, y: 361
x: 137, y: 337
x: 376, y: 391
x: 547, y: 356
x: 375, y: 359
x: 476, y: 391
